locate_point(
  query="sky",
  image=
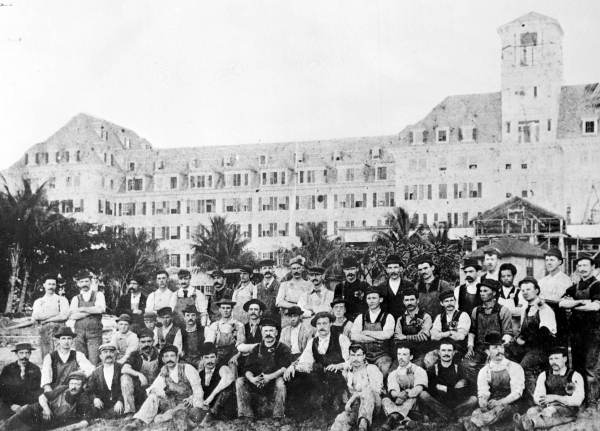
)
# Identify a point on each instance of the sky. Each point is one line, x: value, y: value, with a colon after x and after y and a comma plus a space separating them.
x: 196, y: 73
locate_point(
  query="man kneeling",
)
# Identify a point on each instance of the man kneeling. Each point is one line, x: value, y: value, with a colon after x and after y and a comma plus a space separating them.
x: 558, y: 394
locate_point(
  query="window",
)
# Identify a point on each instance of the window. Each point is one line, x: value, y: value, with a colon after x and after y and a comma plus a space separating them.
x: 534, y: 91
x: 77, y: 156
x: 66, y: 157
x: 523, y: 193
x: 508, y: 127
x: 262, y: 159
x: 529, y: 131
x: 425, y: 136
x: 523, y: 165
x: 26, y: 158
x: 508, y: 195
x: 237, y: 180
x: 442, y: 135
x: 529, y: 267
x: 411, y: 138
x: 473, y: 166
x: 173, y: 183
x: 174, y: 260
x: 112, y: 159
x: 382, y: 173
x: 443, y: 191
x: 350, y: 174
x: 549, y: 124
x: 589, y: 127
x: 132, y: 166
x: 528, y: 41
x: 508, y: 166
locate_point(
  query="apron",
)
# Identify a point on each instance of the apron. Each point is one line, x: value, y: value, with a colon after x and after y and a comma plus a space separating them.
x: 178, y: 390
x: 499, y: 384
x: 375, y: 349
x: 225, y: 342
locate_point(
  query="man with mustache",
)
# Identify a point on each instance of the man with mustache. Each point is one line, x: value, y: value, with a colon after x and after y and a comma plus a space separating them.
x: 192, y: 337
x: 104, y: 385
x: 64, y: 405
x: 244, y: 292
x: 168, y: 332
x: 447, y: 396
x: 491, y: 263
x: 226, y: 334
x: 123, y: 339
x: 176, y: 391
x: 318, y: 299
x: 352, y: 289
x: 267, y: 289
x: 19, y: 382
x: 413, y: 328
x: 292, y: 290
x: 500, y: 385
x: 217, y: 387
x: 467, y: 294
x: 189, y: 296
x: 296, y: 336
x: 391, y: 290
x: 559, y: 393
x: 254, y: 308
x: 451, y: 325
x: 133, y: 303
x: 220, y: 292
x: 341, y: 324
x: 162, y: 297
x: 555, y: 284
x: 51, y: 312
x: 430, y: 286
x: 263, y: 374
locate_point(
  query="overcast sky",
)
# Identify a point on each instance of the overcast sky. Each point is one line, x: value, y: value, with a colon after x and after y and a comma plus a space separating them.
x: 234, y: 72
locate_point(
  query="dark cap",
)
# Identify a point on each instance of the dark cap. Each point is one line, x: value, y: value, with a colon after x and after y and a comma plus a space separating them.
x: 558, y: 350
x: 266, y: 262
x: 150, y: 315
x: 77, y: 375
x: 424, y: 258
x: 217, y: 273
x: 554, y: 252
x: 124, y: 318
x: 254, y: 301
x: 316, y: 270
x: 165, y: 311
x: 445, y: 294
x: 490, y: 283
x: 137, y: 278
x: 22, y: 346
x: 531, y: 280
x: 145, y: 333
x: 190, y: 309
x: 492, y: 250
x: 82, y: 274
x: 372, y: 289
x: 338, y: 300
x: 471, y: 263
x: 493, y: 339
x: 268, y: 322
x: 349, y: 262
x: 183, y: 273
x: 585, y: 256
x: 393, y: 259
x: 169, y: 348
x: 65, y: 331
x: 245, y: 268
x: 320, y: 315
x: 225, y: 301
x: 294, y: 311
x: 208, y: 348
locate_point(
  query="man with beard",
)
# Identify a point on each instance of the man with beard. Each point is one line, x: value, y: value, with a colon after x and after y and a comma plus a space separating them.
x: 296, y: 336
x: 58, y: 365
x: 391, y: 290
x: 244, y: 292
x: 467, y: 294
x: 192, y: 337
x: 162, y: 297
x: 365, y: 385
x: 104, y: 385
x: 413, y: 328
x: 168, y: 332
x: 226, y: 334
x: 220, y: 292
x: 318, y: 299
x: 133, y: 303
x: 51, y: 312
x: 254, y: 308
x: 140, y: 370
x: 217, y: 387
x: 123, y: 339
x: 187, y: 296
x: 447, y: 395
x: 491, y: 261
x: 509, y: 295
x: 176, y: 391
x: 582, y: 299
x: 559, y: 393
x: 266, y: 290
x: 341, y: 324
x: 62, y: 406
x: 352, y: 289
x: 430, y: 286
x: 87, y: 309
x: 500, y: 384
x: 263, y: 374
x: 292, y: 290
x: 19, y: 382
x: 451, y: 325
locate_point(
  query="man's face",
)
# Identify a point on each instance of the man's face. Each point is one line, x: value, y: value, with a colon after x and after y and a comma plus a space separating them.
x: 529, y: 291
x: 296, y: 270
x: 161, y: 280
x: 50, y: 286
x: 294, y: 320
x: 23, y: 355
x: 65, y: 342
x: 470, y: 274
x: 190, y: 318
x: 425, y: 270
x: 184, y: 282
x: 107, y: 356
x: 269, y: 334
x: 404, y: 356
x: 506, y: 278
x: 350, y: 274
x: 225, y: 311
x: 496, y: 352
x: 146, y: 343
x: 133, y: 285
x: 490, y: 261
x: 150, y: 323
x: 123, y: 326
x: 75, y: 386
x: 486, y: 293
x: 357, y: 358
x: 315, y: 278
x: 210, y: 360
x: 166, y: 320
x: 394, y: 270
x: 266, y: 271
x: 373, y: 300
x: 552, y: 263
x: 169, y: 359
x: 254, y: 312
x: 449, y: 304
x: 339, y: 310
x: 557, y: 361
x: 244, y: 277
x: 323, y: 326
x: 84, y: 284
x: 219, y: 281
x: 446, y: 352
x: 584, y: 268
x: 410, y: 302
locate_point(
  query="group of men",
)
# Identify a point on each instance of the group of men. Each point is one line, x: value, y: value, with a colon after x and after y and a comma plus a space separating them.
x: 480, y: 353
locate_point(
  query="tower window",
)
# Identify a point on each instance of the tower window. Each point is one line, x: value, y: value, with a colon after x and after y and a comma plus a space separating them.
x: 508, y: 127
x: 589, y: 126
x: 534, y: 91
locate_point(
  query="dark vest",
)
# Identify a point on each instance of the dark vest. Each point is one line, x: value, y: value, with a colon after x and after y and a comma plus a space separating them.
x: 459, y: 345
x: 414, y: 326
x: 214, y: 381
x: 167, y: 338
x: 333, y: 354
x: 556, y: 384
x: 252, y: 339
x: 192, y: 341
x: 60, y: 369
x: 514, y: 292
x: 466, y: 301
x: 375, y: 349
x: 93, y: 319
x: 487, y: 323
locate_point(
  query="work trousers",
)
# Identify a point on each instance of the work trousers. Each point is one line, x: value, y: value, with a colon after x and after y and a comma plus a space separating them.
x: 363, y: 407
x: 390, y: 406
x: 447, y: 412
x: 480, y: 419
x: 273, y: 393
x: 30, y: 417
x: 551, y: 415
x: 89, y: 337
x: 162, y: 409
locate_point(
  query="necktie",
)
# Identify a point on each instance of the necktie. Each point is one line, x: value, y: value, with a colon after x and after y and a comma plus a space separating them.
x: 185, y: 293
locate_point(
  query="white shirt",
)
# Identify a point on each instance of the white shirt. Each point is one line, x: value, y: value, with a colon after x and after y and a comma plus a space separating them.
x: 547, y: 317
x: 200, y: 300
x: 294, y: 332
x: 306, y: 359
x: 388, y: 325
x: 83, y: 363
x: 462, y: 326
x: 135, y: 301
x: 49, y: 306
x: 573, y: 400
x: 394, y: 285
x: 517, y: 379
x: 553, y: 287
x: 161, y: 299
x: 100, y: 302
x: 109, y: 373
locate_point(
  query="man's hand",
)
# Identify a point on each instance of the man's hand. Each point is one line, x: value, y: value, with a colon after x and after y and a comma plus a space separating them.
x: 256, y: 380
x: 348, y: 406
x: 98, y: 403
x: 550, y: 398
x: 470, y: 352
x: 334, y: 368
x: 401, y: 398
x: 233, y: 362
x: 143, y: 380
x: 542, y: 400
x: 47, y: 414
x: 289, y: 373
x: 15, y: 407
x: 400, y: 337
x: 483, y: 405
x: 189, y: 402
x: 206, y: 403
x: 118, y: 408
x: 266, y: 378
x: 520, y: 341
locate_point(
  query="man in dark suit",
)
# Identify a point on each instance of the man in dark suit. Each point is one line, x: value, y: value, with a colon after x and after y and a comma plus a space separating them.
x: 104, y: 385
x: 391, y: 290
x: 19, y: 382
x: 352, y: 290
x: 133, y: 303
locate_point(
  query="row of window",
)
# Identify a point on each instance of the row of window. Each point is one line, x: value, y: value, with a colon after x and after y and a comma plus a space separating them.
x: 59, y: 157
x: 419, y: 192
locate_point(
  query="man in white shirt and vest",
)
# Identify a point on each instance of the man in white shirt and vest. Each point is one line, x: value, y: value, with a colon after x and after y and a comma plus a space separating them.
x: 162, y: 297
x: 295, y: 335
x: 292, y: 290
x: 553, y: 287
x: 467, y: 294
x: 51, y: 312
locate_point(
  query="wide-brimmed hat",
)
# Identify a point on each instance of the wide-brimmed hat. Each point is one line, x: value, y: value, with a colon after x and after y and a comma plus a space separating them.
x: 22, y: 346
x: 254, y: 301
x: 320, y: 315
x: 225, y: 301
x: 493, y: 339
x: 65, y: 331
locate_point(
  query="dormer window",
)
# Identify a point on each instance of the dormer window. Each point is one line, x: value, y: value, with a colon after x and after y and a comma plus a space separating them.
x: 589, y: 126
x: 299, y: 157
x: 442, y: 135
x: 375, y: 153
x: 467, y: 134
x: 337, y: 156
x: 262, y: 159
x: 132, y: 166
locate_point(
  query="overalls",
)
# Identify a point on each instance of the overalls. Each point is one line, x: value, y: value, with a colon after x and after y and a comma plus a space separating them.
x: 89, y: 331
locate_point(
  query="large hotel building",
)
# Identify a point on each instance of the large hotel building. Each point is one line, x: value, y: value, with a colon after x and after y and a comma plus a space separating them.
x: 536, y: 138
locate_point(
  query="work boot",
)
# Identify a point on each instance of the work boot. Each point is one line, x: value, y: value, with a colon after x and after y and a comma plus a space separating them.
x: 391, y: 422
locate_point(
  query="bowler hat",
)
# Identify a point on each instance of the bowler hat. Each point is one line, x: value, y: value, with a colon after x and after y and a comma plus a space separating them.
x: 124, y: 318
x: 247, y: 269
x: 165, y: 311
x: 225, y: 301
x: 22, y: 346
x: 268, y: 322
x: 471, y: 263
x: 145, y: 333
x: 82, y: 274
x: 320, y: 315
x: 65, y: 331
x: 393, y: 259
x: 424, y: 258
x: 294, y: 311
x: 169, y: 348
x: 554, y: 252
x: 560, y: 350
x: 349, y: 262
x: 338, y: 300
x: 316, y: 270
x: 493, y: 339
x: 266, y: 262
x: 190, y: 309
x: 445, y: 294
x: 490, y: 283
x: 183, y: 273
x: 254, y: 301
x: 208, y: 348
x: 137, y: 278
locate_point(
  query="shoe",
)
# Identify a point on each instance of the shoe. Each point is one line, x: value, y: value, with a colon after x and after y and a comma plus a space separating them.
x: 391, y: 422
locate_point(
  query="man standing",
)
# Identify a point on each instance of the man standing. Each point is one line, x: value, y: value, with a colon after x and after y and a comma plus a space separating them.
x: 266, y: 290
x: 192, y: 337
x: 220, y: 292
x: 558, y: 395
x: 391, y: 290
x: 430, y: 286
x: 374, y: 329
x: 500, y: 385
x: 87, y: 309
x: 244, y: 292
x: 413, y: 328
x: 296, y: 336
x: 124, y: 340
x: 19, y: 382
x: 447, y: 396
x: 352, y: 289
x: 226, y: 334
x: 318, y: 299
x: 509, y: 295
x: 555, y: 284
x: 341, y: 325
x: 467, y: 294
x: 167, y: 333
x: 217, y: 386
x: 254, y: 308
x: 58, y: 365
x: 162, y: 297
x: 451, y: 325
x: 133, y: 303
x: 50, y: 311
x: 291, y: 291
x: 263, y: 374
x: 187, y: 296
x: 104, y: 385
x: 491, y: 261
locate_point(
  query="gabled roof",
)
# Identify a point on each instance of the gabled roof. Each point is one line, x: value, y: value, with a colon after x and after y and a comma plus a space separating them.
x: 532, y: 17
x: 511, y: 247
x: 501, y: 211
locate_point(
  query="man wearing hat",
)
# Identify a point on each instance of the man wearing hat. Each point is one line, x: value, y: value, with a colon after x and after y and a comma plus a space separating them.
x: 254, y: 309
x: 163, y: 296
x: 413, y: 328
x: 51, y: 312
x: 559, y: 392
x: 292, y: 290
x: 451, y: 325
x: 490, y: 317
x: 87, y: 309
x: 123, y: 339
x: 467, y: 294
x: 133, y: 302
x: 244, y: 292
x: 555, y: 284
x: 500, y: 385
x: 391, y: 290
x: 352, y: 289
x: 192, y: 337
x: 104, y: 385
x: 318, y: 299
x: 167, y: 332
x: 296, y: 335
x: 341, y: 324
x: 582, y: 299
x: 226, y: 334
x: 189, y: 296
x: 220, y: 291
x: 430, y: 286
x: 262, y: 375
x: 217, y: 386
x: 19, y: 382
x: 57, y: 365
x: 267, y: 289
x: 491, y: 263
x: 66, y: 404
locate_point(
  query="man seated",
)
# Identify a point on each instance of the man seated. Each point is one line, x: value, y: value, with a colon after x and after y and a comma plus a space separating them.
x: 448, y: 395
x: 295, y: 335
x: 341, y: 324
x: 404, y: 385
x: 58, y: 365
x: 104, y: 385
x: 413, y: 327
x: 217, y: 386
x: 61, y: 406
x: 500, y: 385
x: 192, y: 337
x: 19, y: 382
x: 559, y: 393
x: 123, y: 339
x: 365, y: 385
x: 168, y: 333
x: 262, y: 375
x: 451, y: 325
x: 226, y: 334
x: 374, y: 329
x: 176, y: 391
